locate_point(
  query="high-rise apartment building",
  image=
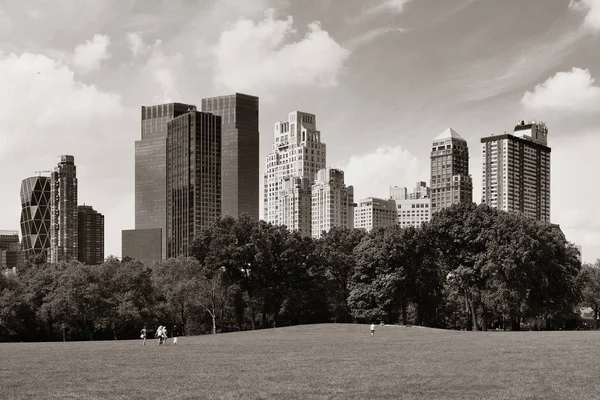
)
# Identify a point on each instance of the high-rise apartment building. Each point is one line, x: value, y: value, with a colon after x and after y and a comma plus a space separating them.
x: 332, y: 202
x: 150, y: 173
x: 63, y: 211
x: 372, y: 213
x: 516, y: 171
x: 298, y: 154
x: 450, y: 179
x: 193, y: 178
x: 35, y: 216
x: 11, y: 256
x: 91, y: 236
x: 398, y: 192
x: 239, y: 153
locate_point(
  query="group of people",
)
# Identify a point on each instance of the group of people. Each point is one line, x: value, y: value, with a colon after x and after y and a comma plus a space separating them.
x: 161, y: 334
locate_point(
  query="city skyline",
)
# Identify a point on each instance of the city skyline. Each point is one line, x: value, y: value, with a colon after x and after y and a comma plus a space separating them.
x: 86, y: 82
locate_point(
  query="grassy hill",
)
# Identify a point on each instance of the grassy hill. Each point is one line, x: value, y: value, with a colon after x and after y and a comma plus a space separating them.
x: 316, y: 361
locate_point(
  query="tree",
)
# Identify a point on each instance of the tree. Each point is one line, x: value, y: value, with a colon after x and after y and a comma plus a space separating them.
x: 212, y: 294
x: 589, y: 280
x: 335, y: 251
x: 176, y: 281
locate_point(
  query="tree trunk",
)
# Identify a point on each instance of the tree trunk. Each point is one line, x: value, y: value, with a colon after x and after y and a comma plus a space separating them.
x: 182, y: 314
x: 469, y: 317
x: 404, y: 314
x: 64, y: 334
x: 114, y: 333
x: 252, y: 315
x: 214, y: 319
x: 473, y: 314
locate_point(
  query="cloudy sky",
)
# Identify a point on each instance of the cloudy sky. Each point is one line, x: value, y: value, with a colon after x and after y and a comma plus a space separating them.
x: 384, y: 77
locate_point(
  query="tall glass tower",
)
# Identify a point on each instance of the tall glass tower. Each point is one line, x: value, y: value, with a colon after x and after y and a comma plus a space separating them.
x: 63, y: 215
x: 35, y: 216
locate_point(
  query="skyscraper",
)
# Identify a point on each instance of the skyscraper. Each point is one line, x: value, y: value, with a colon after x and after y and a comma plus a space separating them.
x: 516, y: 171
x: 420, y: 191
x: 35, y: 216
x: 193, y: 178
x: 414, y: 209
x: 332, y: 202
x: 91, y: 236
x: 398, y: 193
x: 150, y: 173
x: 63, y: 213
x: 297, y: 155
x: 239, y: 152
x: 450, y: 179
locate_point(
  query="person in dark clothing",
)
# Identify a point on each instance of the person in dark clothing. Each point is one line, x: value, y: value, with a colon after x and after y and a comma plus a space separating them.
x: 175, y: 334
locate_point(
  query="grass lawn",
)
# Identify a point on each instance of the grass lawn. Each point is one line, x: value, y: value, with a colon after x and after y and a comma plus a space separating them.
x: 318, y: 361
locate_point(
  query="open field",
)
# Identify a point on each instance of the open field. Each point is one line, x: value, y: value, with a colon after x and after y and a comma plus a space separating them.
x: 318, y: 361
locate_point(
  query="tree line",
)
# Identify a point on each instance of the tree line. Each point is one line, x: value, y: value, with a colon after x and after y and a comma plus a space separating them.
x: 472, y: 267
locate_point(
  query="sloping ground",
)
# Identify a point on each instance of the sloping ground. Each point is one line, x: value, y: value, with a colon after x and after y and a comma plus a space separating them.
x: 316, y: 361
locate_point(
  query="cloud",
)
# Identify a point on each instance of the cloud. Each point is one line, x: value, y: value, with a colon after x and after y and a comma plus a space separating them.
x: 591, y: 8
x: 572, y: 91
x: 369, y: 36
x: 396, y: 6
x: 255, y: 56
x: 164, y: 70
x: 45, y: 112
x: 373, y: 173
x: 136, y: 43
x: 88, y: 56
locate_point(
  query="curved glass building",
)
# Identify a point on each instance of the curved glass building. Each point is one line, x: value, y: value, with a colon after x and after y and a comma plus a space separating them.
x: 35, y: 216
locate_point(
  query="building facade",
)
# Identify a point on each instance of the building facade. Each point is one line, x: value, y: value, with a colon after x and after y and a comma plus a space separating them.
x: 420, y: 191
x: 240, y: 161
x: 151, y: 168
x: 193, y: 178
x: 91, y: 236
x: 516, y: 171
x: 298, y: 154
x: 372, y: 213
x: 398, y: 192
x: 332, y: 202
x: 11, y: 255
x: 63, y: 211
x: 35, y: 216
x: 413, y: 212
x: 450, y: 179
x: 143, y: 245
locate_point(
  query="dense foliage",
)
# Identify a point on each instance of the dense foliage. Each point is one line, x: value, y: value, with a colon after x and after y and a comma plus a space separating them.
x: 472, y: 267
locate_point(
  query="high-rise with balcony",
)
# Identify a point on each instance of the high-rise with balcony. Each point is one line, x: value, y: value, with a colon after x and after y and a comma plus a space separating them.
x: 240, y: 188
x: 332, y: 202
x: 516, y: 171
x: 91, y: 236
x: 298, y: 154
x: 63, y: 211
x: 450, y: 179
x: 150, y: 183
x: 193, y: 177
x: 35, y: 216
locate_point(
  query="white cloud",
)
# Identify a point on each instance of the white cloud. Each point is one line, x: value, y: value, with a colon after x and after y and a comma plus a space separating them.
x: 88, y: 56
x: 46, y: 112
x: 373, y: 173
x: 572, y: 90
x: 369, y: 36
x: 136, y: 43
x: 395, y: 5
x: 591, y: 8
x: 254, y: 56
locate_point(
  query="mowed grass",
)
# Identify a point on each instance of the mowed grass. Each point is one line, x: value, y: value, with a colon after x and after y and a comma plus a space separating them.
x: 317, y: 361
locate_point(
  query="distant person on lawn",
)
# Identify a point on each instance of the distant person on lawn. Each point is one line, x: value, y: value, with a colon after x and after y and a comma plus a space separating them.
x: 159, y: 334
x: 143, y: 334
x: 164, y: 335
x: 175, y: 334
x: 372, y: 329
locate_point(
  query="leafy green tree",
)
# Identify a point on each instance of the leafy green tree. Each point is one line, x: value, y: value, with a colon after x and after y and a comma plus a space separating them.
x: 589, y: 281
x: 336, y: 253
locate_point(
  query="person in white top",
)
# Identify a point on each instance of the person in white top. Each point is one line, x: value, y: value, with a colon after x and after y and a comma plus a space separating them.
x: 372, y: 329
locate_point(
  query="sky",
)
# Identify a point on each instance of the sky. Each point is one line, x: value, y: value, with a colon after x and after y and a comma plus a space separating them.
x: 384, y: 77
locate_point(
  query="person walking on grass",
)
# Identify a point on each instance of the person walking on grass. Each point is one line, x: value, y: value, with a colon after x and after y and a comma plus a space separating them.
x: 143, y: 334
x: 175, y: 334
x: 372, y: 329
x: 159, y: 334
x: 164, y: 335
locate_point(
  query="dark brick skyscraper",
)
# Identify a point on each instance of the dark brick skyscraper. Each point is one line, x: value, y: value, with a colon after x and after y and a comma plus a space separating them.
x: 150, y: 172
x: 193, y: 178
x: 240, y: 187
x: 91, y: 236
